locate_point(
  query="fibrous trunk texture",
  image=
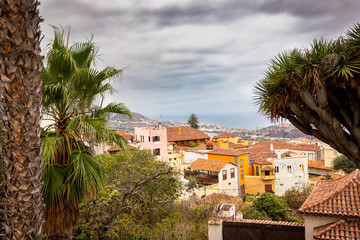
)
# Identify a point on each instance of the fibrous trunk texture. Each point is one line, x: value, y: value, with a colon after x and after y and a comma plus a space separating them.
x: 20, y: 78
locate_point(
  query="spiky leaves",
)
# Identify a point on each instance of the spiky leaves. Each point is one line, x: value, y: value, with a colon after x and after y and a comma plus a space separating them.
x: 20, y: 72
x: 317, y: 90
x: 73, y: 91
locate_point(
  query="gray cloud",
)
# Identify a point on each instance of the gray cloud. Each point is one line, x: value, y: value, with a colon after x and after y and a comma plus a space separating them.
x: 192, y: 56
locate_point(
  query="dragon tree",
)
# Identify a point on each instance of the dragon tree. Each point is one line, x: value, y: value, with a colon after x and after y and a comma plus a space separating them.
x: 318, y: 90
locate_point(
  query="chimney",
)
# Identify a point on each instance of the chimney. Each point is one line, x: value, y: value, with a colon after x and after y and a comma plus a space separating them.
x: 159, y: 125
x: 271, y: 147
x: 179, y: 130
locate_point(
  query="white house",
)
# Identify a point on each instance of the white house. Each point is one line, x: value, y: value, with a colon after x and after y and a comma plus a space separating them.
x: 221, y: 175
x: 290, y: 171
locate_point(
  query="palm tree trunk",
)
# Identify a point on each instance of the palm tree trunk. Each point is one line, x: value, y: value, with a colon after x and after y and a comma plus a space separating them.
x: 20, y: 72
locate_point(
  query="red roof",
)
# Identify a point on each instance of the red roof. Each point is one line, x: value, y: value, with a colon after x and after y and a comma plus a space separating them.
x: 229, y: 152
x: 322, y: 178
x: 278, y: 223
x: 260, y: 154
x: 338, y: 197
x: 342, y: 229
x: 208, y: 165
x: 235, y: 146
x: 286, y: 145
x: 184, y: 133
x: 318, y: 164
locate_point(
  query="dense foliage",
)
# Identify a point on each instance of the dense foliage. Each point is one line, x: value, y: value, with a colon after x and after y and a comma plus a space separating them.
x: 272, y: 205
x: 138, y: 202
x: 296, y: 196
x: 250, y: 212
x: 345, y: 164
x: 193, y: 121
x: 318, y: 91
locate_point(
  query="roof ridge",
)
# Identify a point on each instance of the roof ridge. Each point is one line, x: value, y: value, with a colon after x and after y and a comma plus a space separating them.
x: 329, y: 226
x: 331, y: 196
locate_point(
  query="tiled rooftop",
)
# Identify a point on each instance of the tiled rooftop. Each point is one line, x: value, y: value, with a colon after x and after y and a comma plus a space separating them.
x: 322, y: 178
x: 285, y: 145
x: 235, y: 146
x: 279, y: 223
x: 318, y: 165
x: 340, y: 230
x: 184, y: 133
x: 229, y: 151
x: 208, y: 165
x: 260, y: 154
x: 339, y: 197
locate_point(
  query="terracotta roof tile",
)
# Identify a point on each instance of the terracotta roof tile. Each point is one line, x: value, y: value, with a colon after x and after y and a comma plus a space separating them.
x: 342, y: 229
x: 224, y: 135
x: 184, y: 133
x: 127, y: 136
x: 229, y: 151
x: 338, y: 197
x: 235, y: 146
x: 318, y: 164
x: 278, y: 223
x: 322, y: 178
x: 194, y: 149
x: 286, y: 145
x: 260, y: 154
x: 208, y: 165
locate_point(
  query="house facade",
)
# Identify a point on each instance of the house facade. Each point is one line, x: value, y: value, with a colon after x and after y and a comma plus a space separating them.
x: 238, y: 157
x: 289, y: 171
x: 221, y: 175
x: 153, y: 139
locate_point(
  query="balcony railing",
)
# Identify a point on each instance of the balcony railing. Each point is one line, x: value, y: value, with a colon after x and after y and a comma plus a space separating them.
x: 268, y: 177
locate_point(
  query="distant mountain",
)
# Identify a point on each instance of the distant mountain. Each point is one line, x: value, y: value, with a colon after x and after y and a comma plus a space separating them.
x: 136, y: 117
x: 281, y: 132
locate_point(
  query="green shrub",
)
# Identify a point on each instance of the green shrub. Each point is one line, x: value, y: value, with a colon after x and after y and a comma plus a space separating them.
x: 272, y: 205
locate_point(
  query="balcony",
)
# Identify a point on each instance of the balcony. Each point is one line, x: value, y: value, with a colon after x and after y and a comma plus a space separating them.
x: 268, y: 177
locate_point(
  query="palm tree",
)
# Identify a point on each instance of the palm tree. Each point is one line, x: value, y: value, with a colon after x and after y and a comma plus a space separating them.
x: 20, y: 73
x: 71, y: 90
x: 317, y: 90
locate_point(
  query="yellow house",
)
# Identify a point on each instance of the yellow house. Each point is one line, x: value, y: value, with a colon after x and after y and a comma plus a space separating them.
x: 263, y: 179
x: 176, y: 161
x: 226, y: 137
x: 239, y: 157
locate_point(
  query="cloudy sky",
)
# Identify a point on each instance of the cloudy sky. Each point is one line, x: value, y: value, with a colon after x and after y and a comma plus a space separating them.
x: 196, y: 56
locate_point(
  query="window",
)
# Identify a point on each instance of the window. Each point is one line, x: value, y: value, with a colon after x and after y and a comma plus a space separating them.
x: 209, y: 147
x: 257, y: 171
x: 311, y: 156
x: 156, y: 138
x: 281, y: 184
x: 142, y: 139
x: 156, y: 151
x: 224, y: 172
x: 149, y: 139
x: 301, y: 167
x: 242, y: 174
x: 276, y: 169
x: 267, y: 173
x: 241, y: 163
x: 232, y: 172
x: 289, y: 169
x: 250, y: 163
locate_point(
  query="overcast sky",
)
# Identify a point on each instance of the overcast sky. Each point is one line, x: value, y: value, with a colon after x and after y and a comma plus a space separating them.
x: 196, y: 56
